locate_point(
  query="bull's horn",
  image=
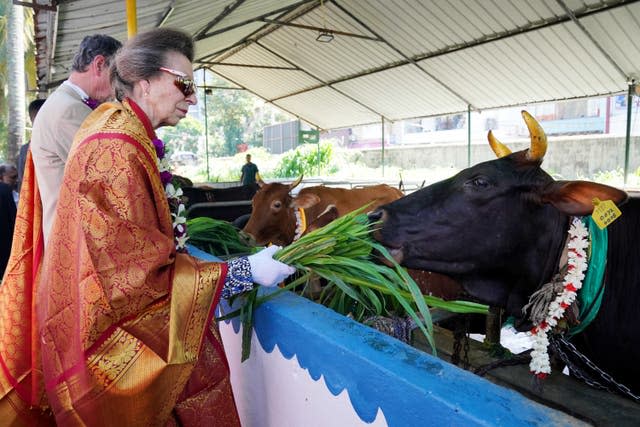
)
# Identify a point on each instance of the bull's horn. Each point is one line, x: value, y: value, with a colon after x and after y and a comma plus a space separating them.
x: 259, y: 180
x: 498, y: 147
x: 295, y: 183
x: 538, y: 138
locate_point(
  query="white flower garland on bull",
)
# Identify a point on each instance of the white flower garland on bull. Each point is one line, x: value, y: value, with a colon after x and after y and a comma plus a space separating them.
x: 515, y: 238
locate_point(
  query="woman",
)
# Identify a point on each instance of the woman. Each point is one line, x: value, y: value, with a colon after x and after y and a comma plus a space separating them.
x: 124, y: 316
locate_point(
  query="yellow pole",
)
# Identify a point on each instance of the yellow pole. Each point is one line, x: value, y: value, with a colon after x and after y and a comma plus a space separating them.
x: 132, y: 19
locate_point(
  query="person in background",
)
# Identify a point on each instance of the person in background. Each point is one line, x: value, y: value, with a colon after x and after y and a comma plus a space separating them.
x: 249, y: 171
x: 62, y: 114
x: 124, y: 328
x: 34, y: 107
x: 8, y: 177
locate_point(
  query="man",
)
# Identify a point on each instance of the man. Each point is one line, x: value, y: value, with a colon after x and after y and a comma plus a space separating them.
x: 9, y: 176
x: 63, y: 113
x: 34, y: 107
x: 249, y: 171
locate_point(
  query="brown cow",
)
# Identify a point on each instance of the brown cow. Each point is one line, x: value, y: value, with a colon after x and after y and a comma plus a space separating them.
x: 275, y: 213
x: 329, y: 214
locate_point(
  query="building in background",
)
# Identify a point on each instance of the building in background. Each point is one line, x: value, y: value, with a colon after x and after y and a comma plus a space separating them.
x: 282, y: 137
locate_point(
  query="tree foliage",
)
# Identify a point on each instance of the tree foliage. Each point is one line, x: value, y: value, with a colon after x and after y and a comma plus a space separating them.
x: 307, y: 160
x: 184, y: 136
x: 228, y: 112
x: 263, y: 116
x: 7, y: 77
x: 234, y: 117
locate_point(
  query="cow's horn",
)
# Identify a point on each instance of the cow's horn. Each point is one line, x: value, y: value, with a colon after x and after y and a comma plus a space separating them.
x: 295, y: 183
x: 498, y: 147
x: 538, y: 138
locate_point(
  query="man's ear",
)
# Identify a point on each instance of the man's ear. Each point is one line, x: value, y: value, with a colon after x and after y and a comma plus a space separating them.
x: 101, y: 65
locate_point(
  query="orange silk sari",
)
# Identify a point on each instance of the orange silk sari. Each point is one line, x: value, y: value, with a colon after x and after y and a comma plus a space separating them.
x: 124, y: 323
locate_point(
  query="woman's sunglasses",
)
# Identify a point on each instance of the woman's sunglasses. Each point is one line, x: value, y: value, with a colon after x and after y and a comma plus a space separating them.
x: 182, y: 82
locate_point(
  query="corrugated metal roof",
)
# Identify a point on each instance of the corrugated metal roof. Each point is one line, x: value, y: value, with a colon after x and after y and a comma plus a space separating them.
x: 76, y: 19
x: 327, y: 105
x: 222, y: 41
x: 519, y: 69
x: 269, y: 83
x: 390, y: 59
x: 402, y: 92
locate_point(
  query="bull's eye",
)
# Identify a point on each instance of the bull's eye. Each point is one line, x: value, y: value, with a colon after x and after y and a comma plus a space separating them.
x: 479, y: 182
x: 277, y: 204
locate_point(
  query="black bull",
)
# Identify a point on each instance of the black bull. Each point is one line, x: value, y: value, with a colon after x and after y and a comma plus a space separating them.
x: 201, y: 201
x: 498, y: 228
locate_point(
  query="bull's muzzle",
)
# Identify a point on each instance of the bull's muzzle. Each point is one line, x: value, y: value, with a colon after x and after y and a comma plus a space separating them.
x: 377, y: 219
x: 376, y: 216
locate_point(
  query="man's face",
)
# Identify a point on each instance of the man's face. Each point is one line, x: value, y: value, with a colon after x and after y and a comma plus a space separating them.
x: 102, y: 90
x: 10, y: 177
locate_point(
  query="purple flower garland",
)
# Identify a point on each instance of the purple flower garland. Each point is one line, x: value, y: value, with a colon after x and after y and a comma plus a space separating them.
x: 176, y: 206
x: 91, y: 103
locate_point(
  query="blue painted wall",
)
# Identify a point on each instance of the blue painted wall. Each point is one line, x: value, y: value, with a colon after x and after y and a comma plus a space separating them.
x: 412, y: 388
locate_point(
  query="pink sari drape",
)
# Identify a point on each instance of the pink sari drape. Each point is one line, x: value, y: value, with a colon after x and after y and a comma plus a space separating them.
x: 21, y: 381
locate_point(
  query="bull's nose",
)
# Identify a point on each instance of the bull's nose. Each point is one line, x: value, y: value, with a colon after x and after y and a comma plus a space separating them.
x: 377, y: 215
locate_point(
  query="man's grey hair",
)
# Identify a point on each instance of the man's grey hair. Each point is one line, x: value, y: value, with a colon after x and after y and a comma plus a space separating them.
x: 92, y: 46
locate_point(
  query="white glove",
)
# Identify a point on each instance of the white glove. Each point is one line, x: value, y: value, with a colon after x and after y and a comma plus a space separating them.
x: 265, y: 270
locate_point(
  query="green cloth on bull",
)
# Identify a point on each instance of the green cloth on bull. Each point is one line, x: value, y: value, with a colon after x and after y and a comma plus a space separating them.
x: 590, y: 295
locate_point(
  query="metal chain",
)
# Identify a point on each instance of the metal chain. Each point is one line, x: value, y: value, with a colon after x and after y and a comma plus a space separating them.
x: 513, y: 360
x: 465, y: 359
x: 559, y: 344
x: 575, y: 370
x: 455, y: 355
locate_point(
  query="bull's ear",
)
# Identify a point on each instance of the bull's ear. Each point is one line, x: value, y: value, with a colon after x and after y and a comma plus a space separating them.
x: 576, y: 197
x: 305, y: 200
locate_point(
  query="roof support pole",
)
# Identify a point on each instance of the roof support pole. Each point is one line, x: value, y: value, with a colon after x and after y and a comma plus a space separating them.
x: 132, y: 18
x: 468, y: 135
x: 382, y: 146
x: 318, y: 144
x: 206, y: 119
x: 627, y: 142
